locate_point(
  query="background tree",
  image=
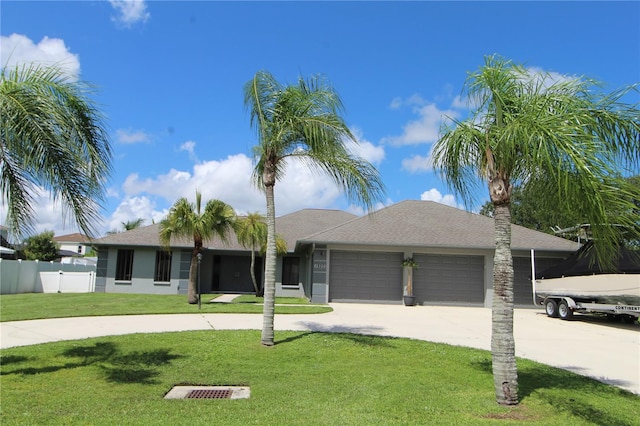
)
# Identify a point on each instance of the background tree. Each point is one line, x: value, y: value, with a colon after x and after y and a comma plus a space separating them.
x: 301, y: 121
x: 186, y: 219
x: 41, y: 247
x: 563, y: 133
x: 132, y: 224
x: 251, y: 232
x: 128, y: 225
x: 51, y: 135
x: 529, y: 208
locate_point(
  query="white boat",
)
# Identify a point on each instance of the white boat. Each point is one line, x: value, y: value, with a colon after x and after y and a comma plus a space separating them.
x: 613, y: 289
x: 579, y: 284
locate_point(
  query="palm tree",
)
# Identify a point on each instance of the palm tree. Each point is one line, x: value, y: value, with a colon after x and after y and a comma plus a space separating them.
x: 132, y: 224
x: 527, y: 126
x: 186, y: 219
x: 301, y: 121
x: 51, y: 135
x: 251, y: 232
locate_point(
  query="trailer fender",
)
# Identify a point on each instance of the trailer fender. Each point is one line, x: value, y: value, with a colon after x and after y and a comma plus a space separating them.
x: 570, y: 303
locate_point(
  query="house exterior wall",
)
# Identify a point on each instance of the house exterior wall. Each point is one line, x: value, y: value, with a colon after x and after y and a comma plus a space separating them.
x: 229, y: 271
x: 79, y: 248
x: 142, y: 274
x: 293, y: 290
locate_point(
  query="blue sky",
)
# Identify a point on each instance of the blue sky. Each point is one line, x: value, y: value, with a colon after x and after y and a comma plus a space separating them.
x: 170, y: 76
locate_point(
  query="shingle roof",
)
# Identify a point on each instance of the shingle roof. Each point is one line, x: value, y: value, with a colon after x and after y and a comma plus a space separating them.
x: 303, y: 223
x: 431, y: 224
x: 408, y: 223
x: 73, y: 238
x: 292, y: 227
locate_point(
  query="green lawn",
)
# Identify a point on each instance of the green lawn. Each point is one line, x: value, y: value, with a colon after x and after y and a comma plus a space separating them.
x: 305, y: 379
x: 15, y: 307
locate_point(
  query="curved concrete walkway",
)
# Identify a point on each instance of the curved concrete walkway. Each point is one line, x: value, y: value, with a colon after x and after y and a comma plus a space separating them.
x: 609, y: 352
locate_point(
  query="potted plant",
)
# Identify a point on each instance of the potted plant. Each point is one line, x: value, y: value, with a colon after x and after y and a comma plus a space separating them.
x: 409, y: 264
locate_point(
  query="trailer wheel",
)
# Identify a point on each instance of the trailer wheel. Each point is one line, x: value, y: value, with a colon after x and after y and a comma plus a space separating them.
x: 563, y: 311
x: 551, y: 307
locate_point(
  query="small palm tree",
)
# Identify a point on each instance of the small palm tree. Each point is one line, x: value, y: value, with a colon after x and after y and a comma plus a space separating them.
x: 186, y: 219
x: 301, y: 122
x: 252, y: 232
x: 530, y: 128
x: 132, y: 224
x: 51, y: 135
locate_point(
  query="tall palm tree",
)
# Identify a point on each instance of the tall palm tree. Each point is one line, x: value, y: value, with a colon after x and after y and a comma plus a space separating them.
x: 51, y: 135
x: 528, y: 126
x: 301, y: 121
x: 186, y: 219
x: 251, y: 232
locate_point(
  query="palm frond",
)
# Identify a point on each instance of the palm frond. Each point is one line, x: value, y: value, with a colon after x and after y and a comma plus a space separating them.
x: 50, y: 127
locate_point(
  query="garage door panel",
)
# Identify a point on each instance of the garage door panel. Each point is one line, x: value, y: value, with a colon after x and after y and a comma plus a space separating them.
x: 453, y: 279
x: 365, y: 276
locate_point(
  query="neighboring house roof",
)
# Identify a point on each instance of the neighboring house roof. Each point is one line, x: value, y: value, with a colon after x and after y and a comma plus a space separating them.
x: 72, y: 238
x: 292, y: 227
x: 430, y: 224
x: 68, y: 253
x: 6, y: 250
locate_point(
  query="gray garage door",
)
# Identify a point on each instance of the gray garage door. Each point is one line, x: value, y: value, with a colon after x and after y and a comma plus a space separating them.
x: 449, y: 279
x: 522, y: 287
x: 365, y: 276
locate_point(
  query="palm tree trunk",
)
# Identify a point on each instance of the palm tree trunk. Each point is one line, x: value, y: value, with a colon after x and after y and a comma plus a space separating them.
x: 505, y: 373
x: 270, y: 268
x: 192, y: 293
x: 253, y: 272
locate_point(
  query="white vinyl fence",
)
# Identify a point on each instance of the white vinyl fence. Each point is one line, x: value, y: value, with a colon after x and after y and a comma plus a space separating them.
x: 23, y: 276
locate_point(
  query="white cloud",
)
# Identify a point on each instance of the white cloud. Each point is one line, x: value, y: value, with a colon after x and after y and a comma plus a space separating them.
x: 130, y: 12
x: 17, y: 50
x: 412, y: 101
x: 423, y: 130
x: 365, y: 149
x: 460, y: 103
x: 417, y: 164
x: 189, y: 147
x: 547, y: 78
x: 434, y: 195
x: 133, y: 208
x: 129, y: 136
x: 229, y: 180
x: 112, y: 193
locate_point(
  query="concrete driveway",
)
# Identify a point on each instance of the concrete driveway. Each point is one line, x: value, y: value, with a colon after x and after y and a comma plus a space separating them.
x: 609, y: 352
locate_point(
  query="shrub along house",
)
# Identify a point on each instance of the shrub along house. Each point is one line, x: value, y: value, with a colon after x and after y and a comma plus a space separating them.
x: 336, y: 256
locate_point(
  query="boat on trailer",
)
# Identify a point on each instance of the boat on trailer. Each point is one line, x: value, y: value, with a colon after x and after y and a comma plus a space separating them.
x: 580, y: 284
